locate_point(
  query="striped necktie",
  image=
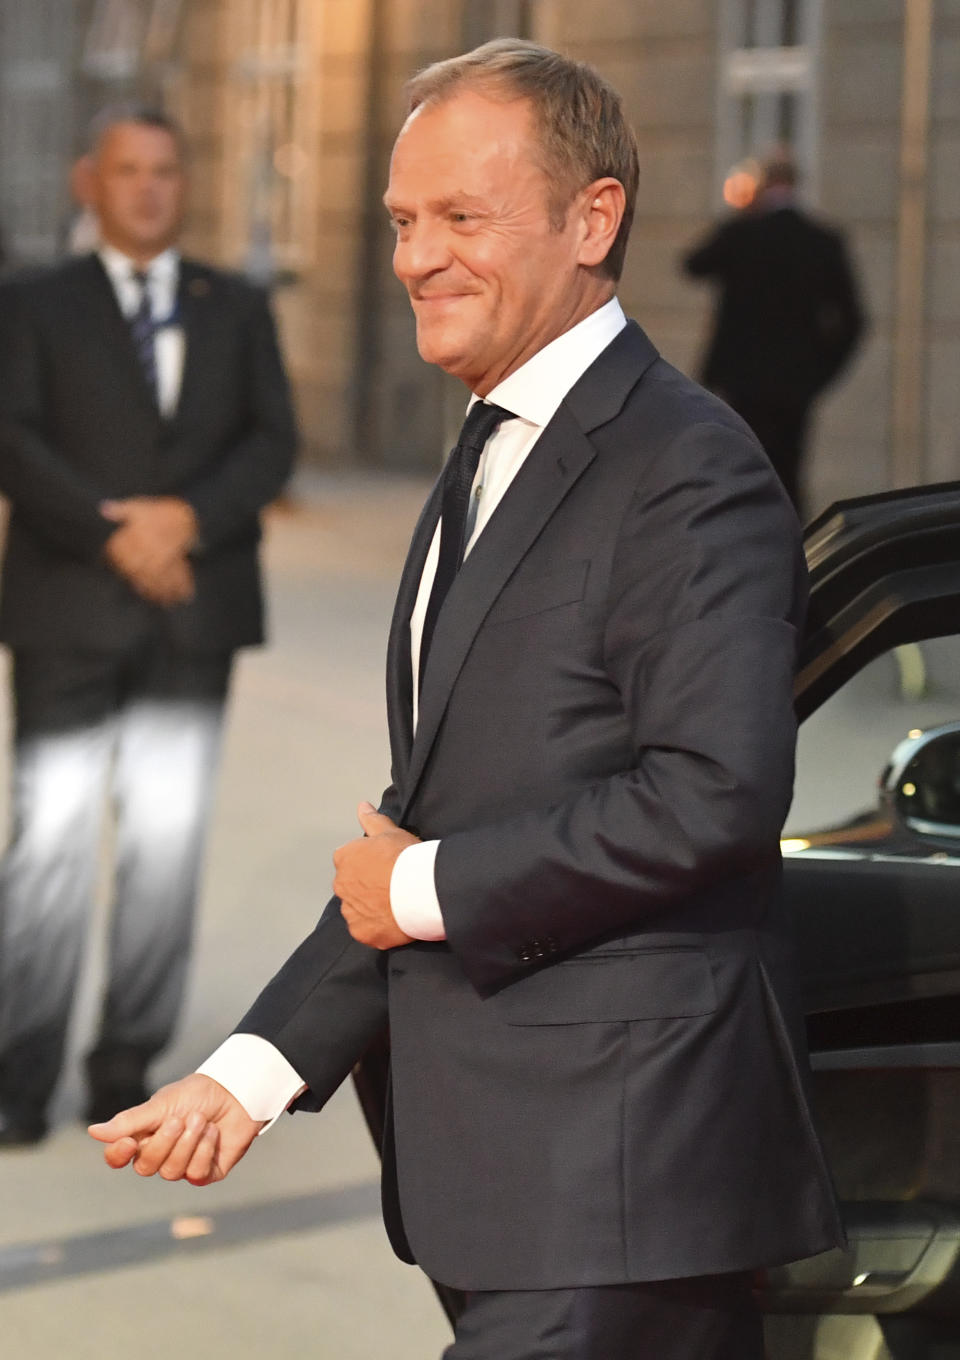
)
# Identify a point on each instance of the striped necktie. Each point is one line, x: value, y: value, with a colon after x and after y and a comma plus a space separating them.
x: 143, y: 330
x: 482, y: 419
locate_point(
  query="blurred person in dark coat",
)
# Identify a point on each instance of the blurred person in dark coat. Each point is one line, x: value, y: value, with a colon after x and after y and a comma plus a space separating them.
x: 788, y: 315
x: 145, y: 420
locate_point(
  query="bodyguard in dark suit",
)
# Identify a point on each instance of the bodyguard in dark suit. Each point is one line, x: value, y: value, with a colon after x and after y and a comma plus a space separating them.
x: 788, y: 316
x: 144, y: 422
x: 566, y: 908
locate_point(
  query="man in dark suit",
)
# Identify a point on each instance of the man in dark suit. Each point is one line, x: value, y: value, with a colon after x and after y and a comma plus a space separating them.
x: 566, y: 907
x: 788, y: 315
x: 144, y: 422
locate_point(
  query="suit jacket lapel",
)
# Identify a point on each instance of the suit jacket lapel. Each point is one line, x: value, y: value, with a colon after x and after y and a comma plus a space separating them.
x: 196, y: 318
x: 104, y: 320
x: 399, y: 664
x: 557, y: 460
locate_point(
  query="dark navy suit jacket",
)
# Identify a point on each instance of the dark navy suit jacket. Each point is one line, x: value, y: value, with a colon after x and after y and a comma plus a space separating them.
x: 597, y: 1078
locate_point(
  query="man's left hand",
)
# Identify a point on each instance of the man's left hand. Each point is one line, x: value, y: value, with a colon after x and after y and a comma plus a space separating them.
x: 362, y: 880
x: 168, y: 524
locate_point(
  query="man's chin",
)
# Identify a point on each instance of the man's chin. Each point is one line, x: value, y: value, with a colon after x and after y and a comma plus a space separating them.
x: 441, y: 351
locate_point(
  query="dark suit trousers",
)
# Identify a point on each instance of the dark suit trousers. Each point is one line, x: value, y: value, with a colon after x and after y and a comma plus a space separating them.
x: 711, y: 1318
x: 139, y: 730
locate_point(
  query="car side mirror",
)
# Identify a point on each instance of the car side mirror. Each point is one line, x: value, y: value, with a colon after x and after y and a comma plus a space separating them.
x: 922, y: 782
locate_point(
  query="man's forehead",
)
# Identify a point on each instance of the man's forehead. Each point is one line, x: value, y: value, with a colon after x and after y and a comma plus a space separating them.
x: 458, y: 139
x: 466, y: 112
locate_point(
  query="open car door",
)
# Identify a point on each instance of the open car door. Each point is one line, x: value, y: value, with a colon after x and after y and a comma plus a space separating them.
x: 877, y: 909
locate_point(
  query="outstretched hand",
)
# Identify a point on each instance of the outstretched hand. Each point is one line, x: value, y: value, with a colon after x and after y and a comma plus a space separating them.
x: 192, y: 1130
x: 362, y: 880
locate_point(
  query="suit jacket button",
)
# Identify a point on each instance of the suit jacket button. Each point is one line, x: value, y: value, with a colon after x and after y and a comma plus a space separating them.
x: 553, y: 946
x: 525, y: 954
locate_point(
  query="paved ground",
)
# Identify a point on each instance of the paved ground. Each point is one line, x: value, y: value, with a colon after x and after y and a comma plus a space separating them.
x: 287, y: 1257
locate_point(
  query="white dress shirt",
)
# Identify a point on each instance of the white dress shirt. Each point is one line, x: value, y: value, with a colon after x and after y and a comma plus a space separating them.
x: 248, y: 1066
x: 163, y: 276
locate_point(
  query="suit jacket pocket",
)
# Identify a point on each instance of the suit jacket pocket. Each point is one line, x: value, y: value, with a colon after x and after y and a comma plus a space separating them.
x: 523, y: 597
x: 659, y: 984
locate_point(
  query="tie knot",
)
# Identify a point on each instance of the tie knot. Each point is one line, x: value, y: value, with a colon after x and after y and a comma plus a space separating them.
x: 141, y: 278
x: 482, y: 419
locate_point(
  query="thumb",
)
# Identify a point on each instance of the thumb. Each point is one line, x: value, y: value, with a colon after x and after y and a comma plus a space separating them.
x: 113, y: 510
x: 374, y: 823
x: 133, y: 1123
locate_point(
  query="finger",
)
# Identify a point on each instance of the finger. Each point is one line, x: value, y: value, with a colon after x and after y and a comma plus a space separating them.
x: 175, y: 1164
x: 121, y: 1153
x: 113, y: 510
x: 137, y: 1122
x: 356, y: 926
x: 345, y: 849
x: 202, y: 1168
x: 155, y: 1150
x: 374, y: 823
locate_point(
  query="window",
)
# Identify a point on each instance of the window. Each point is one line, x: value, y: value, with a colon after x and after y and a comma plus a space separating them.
x: 766, y: 91
x: 270, y: 133
x: 36, y: 114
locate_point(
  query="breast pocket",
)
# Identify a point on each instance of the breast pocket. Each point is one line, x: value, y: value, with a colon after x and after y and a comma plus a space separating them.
x: 660, y: 984
x: 525, y: 597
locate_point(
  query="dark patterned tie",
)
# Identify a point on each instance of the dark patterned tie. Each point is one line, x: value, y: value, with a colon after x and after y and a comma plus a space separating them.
x: 143, y: 330
x: 482, y: 419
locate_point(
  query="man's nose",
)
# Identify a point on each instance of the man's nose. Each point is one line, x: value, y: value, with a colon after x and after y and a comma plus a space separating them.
x: 422, y: 251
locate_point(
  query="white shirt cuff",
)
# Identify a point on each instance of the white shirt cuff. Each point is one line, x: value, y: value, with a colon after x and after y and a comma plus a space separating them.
x: 413, y: 894
x: 256, y: 1074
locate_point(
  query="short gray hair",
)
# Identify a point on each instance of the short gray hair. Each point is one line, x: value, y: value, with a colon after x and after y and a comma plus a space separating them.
x: 132, y: 111
x: 581, y: 127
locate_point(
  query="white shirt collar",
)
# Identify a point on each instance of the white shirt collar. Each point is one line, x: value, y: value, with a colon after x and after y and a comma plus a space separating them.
x: 535, y: 390
x: 163, y: 268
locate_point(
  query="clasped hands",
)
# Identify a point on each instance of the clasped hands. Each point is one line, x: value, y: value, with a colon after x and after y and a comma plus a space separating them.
x: 194, y: 1129
x: 150, y: 547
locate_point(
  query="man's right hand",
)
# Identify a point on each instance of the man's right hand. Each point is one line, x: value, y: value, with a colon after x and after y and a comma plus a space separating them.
x: 164, y: 583
x: 192, y: 1130
x: 150, y: 547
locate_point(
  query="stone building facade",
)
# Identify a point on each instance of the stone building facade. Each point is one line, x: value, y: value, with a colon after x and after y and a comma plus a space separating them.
x: 291, y: 107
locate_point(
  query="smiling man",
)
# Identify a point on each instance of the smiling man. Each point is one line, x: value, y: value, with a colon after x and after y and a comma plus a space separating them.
x: 566, y: 907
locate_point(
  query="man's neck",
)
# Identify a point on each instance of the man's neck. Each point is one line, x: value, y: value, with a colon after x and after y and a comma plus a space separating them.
x: 139, y: 258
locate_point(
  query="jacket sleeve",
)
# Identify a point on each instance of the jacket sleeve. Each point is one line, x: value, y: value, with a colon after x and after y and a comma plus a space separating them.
x: 327, y: 1004
x: 251, y: 471
x: 840, y: 314
x: 706, y: 597
x: 324, y: 1008
x: 710, y: 258
x: 46, y: 492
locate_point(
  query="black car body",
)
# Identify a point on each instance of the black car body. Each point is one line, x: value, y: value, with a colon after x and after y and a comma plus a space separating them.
x: 876, y: 900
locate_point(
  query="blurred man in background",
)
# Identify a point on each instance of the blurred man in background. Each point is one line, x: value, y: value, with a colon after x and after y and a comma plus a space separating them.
x: 145, y: 420
x: 788, y: 315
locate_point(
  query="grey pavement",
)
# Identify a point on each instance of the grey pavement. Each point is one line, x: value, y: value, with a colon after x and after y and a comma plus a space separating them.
x: 288, y: 1257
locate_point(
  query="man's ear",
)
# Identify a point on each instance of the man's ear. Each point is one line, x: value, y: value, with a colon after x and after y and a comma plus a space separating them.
x: 603, y: 205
